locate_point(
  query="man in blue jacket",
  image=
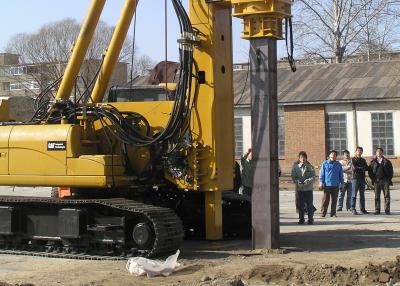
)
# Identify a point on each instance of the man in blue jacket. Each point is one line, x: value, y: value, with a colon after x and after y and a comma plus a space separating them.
x: 330, y: 178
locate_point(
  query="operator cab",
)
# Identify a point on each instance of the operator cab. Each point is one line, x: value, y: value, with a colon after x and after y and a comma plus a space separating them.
x: 142, y: 93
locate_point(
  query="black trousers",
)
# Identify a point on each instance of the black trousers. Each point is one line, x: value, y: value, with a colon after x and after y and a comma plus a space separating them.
x: 306, y: 201
x: 382, y: 186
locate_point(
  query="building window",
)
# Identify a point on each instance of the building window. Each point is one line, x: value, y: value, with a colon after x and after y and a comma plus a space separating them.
x: 281, y: 135
x: 337, y: 132
x: 238, y: 136
x: 6, y: 86
x: 20, y: 70
x: 240, y: 67
x: 4, y: 71
x: 382, y: 132
x: 30, y: 84
x: 16, y: 86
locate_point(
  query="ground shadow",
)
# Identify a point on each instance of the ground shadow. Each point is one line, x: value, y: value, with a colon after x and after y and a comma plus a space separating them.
x: 197, y: 249
x: 312, y: 241
x: 337, y: 222
x: 340, y: 240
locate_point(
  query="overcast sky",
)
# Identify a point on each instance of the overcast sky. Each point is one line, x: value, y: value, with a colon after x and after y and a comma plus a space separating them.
x: 27, y: 16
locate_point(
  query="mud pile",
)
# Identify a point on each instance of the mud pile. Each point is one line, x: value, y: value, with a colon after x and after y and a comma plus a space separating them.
x: 6, y: 284
x: 326, y: 274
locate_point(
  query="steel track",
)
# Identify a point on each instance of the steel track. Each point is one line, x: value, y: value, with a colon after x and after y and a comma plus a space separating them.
x: 166, y: 224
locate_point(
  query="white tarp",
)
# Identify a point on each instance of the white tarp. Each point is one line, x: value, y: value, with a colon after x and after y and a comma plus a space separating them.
x: 141, y: 266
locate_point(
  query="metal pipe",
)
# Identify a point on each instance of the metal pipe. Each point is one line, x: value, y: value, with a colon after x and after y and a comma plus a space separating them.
x: 264, y: 128
x: 80, y: 48
x: 114, y: 50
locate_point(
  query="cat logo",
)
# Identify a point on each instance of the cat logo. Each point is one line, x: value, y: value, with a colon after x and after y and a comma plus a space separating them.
x: 56, y: 146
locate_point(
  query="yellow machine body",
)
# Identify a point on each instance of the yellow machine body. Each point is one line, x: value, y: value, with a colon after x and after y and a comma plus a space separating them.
x: 55, y: 155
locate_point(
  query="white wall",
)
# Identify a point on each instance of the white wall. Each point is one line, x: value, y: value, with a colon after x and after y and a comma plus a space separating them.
x: 245, y: 113
x: 396, y: 131
x: 364, y: 111
x: 364, y: 128
x: 364, y: 131
x: 246, y: 133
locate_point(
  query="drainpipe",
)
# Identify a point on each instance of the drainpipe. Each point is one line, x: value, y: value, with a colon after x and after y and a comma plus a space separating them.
x: 355, y: 122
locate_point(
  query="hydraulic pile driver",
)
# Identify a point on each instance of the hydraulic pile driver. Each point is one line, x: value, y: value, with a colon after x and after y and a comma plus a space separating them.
x: 136, y: 170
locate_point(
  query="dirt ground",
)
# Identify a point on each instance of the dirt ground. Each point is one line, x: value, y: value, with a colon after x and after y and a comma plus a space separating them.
x: 346, y: 250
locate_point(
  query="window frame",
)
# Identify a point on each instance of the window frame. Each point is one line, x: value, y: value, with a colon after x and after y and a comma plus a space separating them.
x: 336, y: 140
x: 281, y: 135
x: 378, y: 135
x: 238, y: 136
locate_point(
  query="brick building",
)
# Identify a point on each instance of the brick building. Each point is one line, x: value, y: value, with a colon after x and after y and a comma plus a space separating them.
x: 330, y: 106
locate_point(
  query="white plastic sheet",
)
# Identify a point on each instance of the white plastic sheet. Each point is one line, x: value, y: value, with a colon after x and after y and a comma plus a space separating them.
x: 140, y: 266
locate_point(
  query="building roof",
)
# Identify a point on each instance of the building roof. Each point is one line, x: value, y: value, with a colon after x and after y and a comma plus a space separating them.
x: 325, y: 83
x: 329, y: 83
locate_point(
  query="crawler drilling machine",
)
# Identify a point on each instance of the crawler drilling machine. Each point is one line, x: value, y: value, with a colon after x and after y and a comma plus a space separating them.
x: 144, y: 174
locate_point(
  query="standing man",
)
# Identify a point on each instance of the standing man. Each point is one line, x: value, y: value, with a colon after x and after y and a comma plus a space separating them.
x: 330, y: 177
x: 345, y: 189
x: 381, y: 173
x: 247, y: 173
x: 358, y: 167
x: 237, y: 180
x: 303, y: 176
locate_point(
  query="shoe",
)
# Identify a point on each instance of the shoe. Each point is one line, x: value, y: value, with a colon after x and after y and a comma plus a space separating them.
x: 348, y: 210
x: 387, y: 212
x: 354, y: 212
x: 323, y: 215
x: 339, y: 209
x: 333, y: 215
x: 301, y: 222
x: 364, y: 212
x: 377, y: 213
x: 310, y: 222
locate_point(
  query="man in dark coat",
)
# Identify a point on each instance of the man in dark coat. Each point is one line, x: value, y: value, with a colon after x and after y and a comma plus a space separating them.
x: 247, y: 173
x: 358, y: 168
x: 381, y: 173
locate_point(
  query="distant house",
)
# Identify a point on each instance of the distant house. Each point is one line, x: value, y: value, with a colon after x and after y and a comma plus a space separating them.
x: 18, y: 79
x: 329, y: 106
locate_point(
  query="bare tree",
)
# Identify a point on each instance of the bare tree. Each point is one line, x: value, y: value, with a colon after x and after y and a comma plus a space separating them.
x: 142, y: 65
x: 46, y: 52
x: 377, y: 34
x: 333, y: 28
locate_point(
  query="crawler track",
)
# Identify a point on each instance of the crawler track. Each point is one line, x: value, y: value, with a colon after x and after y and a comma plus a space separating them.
x: 76, y: 256
x: 166, y: 227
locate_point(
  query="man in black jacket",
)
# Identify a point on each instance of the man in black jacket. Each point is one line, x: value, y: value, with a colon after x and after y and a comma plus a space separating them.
x: 358, y: 168
x: 247, y: 173
x: 381, y: 173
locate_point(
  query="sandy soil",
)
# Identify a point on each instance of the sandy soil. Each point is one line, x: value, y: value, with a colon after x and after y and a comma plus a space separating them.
x: 346, y: 250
